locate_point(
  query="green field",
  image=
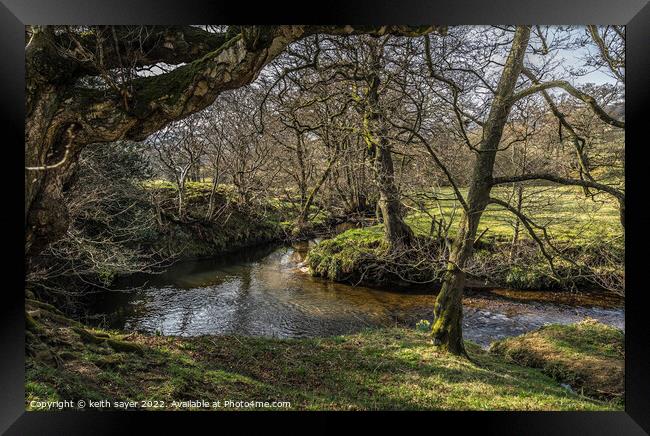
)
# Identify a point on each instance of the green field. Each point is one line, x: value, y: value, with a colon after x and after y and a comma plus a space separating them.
x: 564, y: 210
x: 568, y: 215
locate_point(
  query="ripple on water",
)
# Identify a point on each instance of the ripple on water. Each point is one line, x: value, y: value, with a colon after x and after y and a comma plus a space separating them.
x: 265, y: 293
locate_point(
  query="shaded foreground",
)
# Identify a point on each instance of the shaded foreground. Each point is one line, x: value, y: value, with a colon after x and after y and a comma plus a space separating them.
x: 393, y: 368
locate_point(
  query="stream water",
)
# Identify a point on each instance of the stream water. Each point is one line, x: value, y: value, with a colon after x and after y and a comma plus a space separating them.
x: 266, y: 291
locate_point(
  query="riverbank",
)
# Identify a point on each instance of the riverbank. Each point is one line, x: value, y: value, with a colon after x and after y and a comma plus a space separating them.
x: 587, y: 356
x: 231, y: 226
x: 361, y: 256
x: 213, y: 223
x: 388, y: 368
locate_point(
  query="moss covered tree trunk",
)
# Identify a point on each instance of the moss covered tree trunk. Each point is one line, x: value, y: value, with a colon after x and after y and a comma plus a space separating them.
x: 398, y: 233
x: 49, y: 141
x: 448, y: 310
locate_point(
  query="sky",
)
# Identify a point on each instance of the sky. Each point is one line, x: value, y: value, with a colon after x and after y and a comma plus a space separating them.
x: 573, y: 58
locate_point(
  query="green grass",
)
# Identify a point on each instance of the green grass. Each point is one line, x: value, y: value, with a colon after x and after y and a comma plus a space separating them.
x: 587, y: 355
x: 589, y: 231
x: 393, y: 368
x: 346, y: 253
x: 362, y: 256
x: 564, y: 209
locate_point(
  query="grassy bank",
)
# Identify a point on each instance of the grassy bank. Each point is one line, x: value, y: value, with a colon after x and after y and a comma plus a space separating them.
x: 361, y: 256
x: 586, y: 231
x: 588, y: 356
x: 394, y: 368
x: 231, y: 228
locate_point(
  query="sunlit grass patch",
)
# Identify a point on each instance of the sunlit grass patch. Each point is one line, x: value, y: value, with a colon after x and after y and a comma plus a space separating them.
x: 587, y: 355
x: 347, y: 253
x: 565, y: 210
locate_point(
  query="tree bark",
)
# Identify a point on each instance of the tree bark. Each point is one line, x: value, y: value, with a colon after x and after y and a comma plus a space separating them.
x: 398, y: 233
x: 448, y: 309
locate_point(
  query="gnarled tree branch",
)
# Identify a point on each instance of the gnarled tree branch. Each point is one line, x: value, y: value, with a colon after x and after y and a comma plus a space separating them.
x: 588, y: 99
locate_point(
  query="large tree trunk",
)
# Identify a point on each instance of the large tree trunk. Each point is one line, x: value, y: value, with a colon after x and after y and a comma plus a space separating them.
x: 49, y: 139
x: 448, y: 310
x: 398, y: 234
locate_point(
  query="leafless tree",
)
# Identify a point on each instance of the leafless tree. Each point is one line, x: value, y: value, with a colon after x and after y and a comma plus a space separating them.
x: 180, y: 147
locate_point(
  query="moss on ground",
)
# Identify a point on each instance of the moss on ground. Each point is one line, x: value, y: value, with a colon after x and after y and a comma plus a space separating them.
x: 361, y: 256
x: 588, y: 356
x: 393, y: 368
x: 347, y: 253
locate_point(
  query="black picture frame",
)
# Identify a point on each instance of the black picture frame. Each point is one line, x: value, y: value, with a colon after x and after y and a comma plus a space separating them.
x: 14, y: 14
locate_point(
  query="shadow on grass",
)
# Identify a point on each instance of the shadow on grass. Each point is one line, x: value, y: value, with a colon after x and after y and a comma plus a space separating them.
x: 387, y: 369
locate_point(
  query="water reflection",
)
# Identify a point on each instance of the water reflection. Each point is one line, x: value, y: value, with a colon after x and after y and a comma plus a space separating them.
x: 266, y: 292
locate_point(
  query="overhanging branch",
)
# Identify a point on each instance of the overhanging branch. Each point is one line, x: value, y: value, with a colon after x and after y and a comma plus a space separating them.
x: 620, y: 195
x: 574, y: 92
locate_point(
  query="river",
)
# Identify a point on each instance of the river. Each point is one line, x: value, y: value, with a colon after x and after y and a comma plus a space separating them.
x: 266, y: 291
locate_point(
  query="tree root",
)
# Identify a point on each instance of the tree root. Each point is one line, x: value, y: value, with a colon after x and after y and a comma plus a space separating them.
x: 128, y: 347
x: 105, y: 339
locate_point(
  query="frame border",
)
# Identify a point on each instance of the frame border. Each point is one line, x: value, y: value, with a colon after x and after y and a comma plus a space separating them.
x: 14, y: 14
